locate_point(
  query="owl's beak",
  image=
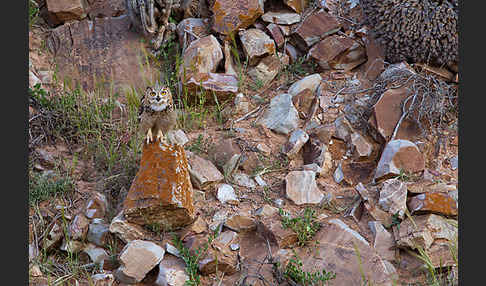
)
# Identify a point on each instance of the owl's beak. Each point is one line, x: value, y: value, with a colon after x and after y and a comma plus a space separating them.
x: 158, y: 98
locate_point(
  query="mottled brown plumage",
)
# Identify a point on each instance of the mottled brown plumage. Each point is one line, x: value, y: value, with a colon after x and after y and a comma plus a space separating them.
x: 157, y: 115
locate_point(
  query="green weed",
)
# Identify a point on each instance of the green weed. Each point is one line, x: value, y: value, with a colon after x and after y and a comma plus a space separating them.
x: 294, y: 271
x: 304, y: 226
x: 43, y: 186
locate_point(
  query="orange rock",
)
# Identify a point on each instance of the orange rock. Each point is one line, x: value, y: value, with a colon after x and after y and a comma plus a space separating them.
x: 229, y: 16
x: 297, y: 5
x: 161, y: 192
x: 442, y: 203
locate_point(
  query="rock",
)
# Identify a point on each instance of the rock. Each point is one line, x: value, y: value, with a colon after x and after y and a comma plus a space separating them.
x: 188, y: 28
x: 78, y: 229
x: 338, y: 174
x: 437, y: 202
x: 230, y: 166
x: 243, y: 180
x: 103, y: 8
x: 161, y: 192
x: 98, y: 233
x: 337, y: 252
x: 279, y: 202
x: 355, y: 211
x: 169, y: 248
x: 432, y: 233
x: 355, y: 172
x: 297, y: 5
x: 399, y: 155
x: 292, y: 52
x: 338, y: 52
x: 256, y: 45
x: 314, y: 28
x: 304, y: 101
x: 199, y: 196
x: 34, y: 270
x: 241, y: 104
x: 343, y: 129
x: 72, y: 246
x: 310, y: 82
x: 226, y: 194
x: 96, y: 206
x: 218, y: 219
x: 268, y: 68
x: 454, y: 161
x: 125, y: 230
x: 240, y: 222
x: 203, y: 173
x: 86, y: 51
x: 171, y: 272
x: 362, y: 148
x: 230, y: 16
x: 264, y: 148
x: 393, y: 197
x: 137, y: 258
x: 384, y: 242
x: 177, y: 137
x: 223, y: 86
x: 281, y: 116
x: 33, y: 79
x: 297, y: 139
x: 67, y: 10
x: 301, y: 188
x: 202, y: 56
x: 271, y: 228
x: 375, y: 63
x: 96, y: 254
x: 54, y: 237
x: 276, y: 34
x: 428, y: 186
x: 219, y: 257
x: 260, y: 181
x: 283, y: 18
x: 387, y: 112
x: 222, y: 152
x: 199, y: 226
x: 266, y: 211
x: 229, y: 65
x: 103, y: 279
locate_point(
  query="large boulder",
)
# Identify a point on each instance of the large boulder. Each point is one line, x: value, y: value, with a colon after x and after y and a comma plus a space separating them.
x: 103, y: 48
x: 161, y: 192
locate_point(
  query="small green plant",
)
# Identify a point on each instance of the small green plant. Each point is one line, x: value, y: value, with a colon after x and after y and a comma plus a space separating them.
x: 294, y: 271
x: 43, y: 186
x: 304, y: 226
x: 33, y: 12
x: 395, y: 220
x: 192, y: 259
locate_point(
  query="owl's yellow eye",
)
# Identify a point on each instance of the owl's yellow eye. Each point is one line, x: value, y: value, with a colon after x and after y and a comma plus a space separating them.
x: 164, y: 92
x: 152, y: 93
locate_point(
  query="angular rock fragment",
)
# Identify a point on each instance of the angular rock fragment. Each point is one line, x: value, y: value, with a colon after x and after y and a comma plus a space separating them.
x: 188, y: 28
x: 310, y: 82
x: 362, y: 148
x: 281, y: 116
x: 297, y: 139
x: 226, y: 194
x: 240, y: 222
x: 399, y: 156
x: 283, y: 18
x: 222, y: 152
x: 243, y: 180
x: 177, y: 137
x: 256, y: 45
x: 437, y: 202
x: 125, y: 230
x: 137, y: 258
x: 272, y: 229
x: 314, y: 28
x: 203, y: 173
x: 161, y: 191
x: 53, y: 237
x: 229, y: 16
x: 268, y: 68
x: 266, y: 211
x: 78, y: 227
x: 223, y: 86
x: 171, y: 272
x: 96, y: 206
x: 301, y: 188
x: 72, y: 246
x: 355, y: 172
x: 304, y: 102
x: 383, y: 241
x: 202, y: 56
x: 276, y: 34
x: 343, y: 129
x: 293, y: 53
x: 98, y: 233
x: 393, y: 197
x: 96, y: 254
x: 297, y: 5
x: 68, y: 10
x: 338, y: 53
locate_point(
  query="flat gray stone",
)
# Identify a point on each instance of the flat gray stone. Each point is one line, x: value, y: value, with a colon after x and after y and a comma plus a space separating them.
x: 281, y: 116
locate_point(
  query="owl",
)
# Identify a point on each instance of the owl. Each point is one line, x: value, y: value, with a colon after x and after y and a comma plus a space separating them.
x: 157, y: 115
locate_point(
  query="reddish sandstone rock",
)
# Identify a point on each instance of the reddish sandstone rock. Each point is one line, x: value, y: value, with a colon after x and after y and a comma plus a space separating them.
x: 161, y: 192
x: 188, y: 28
x: 67, y: 10
x: 338, y: 52
x: 297, y: 5
x: 256, y: 45
x: 201, y: 57
x: 314, y: 28
x: 439, y: 202
x: 399, y: 155
x: 229, y: 16
x: 272, y: 229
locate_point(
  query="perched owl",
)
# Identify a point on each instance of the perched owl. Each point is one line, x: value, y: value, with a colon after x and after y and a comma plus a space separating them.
x: 157, y: 115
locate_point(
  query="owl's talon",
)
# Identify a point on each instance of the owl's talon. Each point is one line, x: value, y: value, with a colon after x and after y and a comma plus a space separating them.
x: 149, y: 136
